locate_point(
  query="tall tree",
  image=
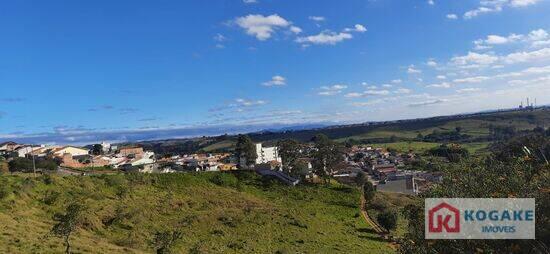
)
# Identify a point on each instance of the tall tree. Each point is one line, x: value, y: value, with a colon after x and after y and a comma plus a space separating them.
x: 289, y: 149
x: 327, y: 156
x: 97, y: 149
x: 246, y: 149
x: 67, y: 223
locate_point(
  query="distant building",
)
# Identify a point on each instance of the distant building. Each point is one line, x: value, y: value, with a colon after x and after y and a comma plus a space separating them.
x: 130, y: 150
x: 73, y: 151
x: 267, y: 154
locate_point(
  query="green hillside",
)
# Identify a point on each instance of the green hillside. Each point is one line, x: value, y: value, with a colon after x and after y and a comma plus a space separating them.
x: 215, y: 212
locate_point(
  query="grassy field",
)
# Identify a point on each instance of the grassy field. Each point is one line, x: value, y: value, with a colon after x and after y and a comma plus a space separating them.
x: 216, y: 212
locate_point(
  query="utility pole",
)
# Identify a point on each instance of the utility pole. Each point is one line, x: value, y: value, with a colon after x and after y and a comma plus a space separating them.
x: 33, y: 166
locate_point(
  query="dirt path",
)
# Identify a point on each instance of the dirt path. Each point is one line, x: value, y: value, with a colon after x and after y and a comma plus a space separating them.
x: 381, y: 231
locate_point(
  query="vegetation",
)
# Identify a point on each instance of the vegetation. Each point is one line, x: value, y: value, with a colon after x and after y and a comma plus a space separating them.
x: 183, y: 213
x: 327, y: 156
x: 245, y: 148
x: 517, y: 168
x: 67, y: 223
x: 387, y: 219
x: 20, y: 164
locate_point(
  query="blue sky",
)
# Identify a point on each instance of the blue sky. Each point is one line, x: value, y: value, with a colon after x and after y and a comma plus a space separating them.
x: 85, y: 71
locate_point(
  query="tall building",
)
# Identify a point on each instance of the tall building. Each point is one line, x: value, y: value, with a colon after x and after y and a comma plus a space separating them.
x: 267, y: 154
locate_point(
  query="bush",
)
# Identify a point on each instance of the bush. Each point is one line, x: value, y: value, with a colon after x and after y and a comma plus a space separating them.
x: 387, y: 219
x: 224, y: 179
x: 368, y: 191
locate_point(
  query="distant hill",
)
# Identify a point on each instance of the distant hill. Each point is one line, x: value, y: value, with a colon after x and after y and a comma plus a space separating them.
x: 474, y: 128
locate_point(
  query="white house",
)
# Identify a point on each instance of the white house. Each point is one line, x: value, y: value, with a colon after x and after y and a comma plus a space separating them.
x: 267, y: 154
x: 74, y: 151
x: 24, y: 150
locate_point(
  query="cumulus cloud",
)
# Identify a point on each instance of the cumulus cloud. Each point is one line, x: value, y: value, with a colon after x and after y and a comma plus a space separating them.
x: 452, y: 16
x: 317, y: 18
x: 528, y: 56
x: 440, y: 85
x: 248, y: 103
x: 263, y: 27
x: 250, y: 1
x: 332, y: 90
x: 468, y: 90
x: 357, y: 28
x: 535, y: 38
x: 403, y: 91
x: 412, y: 70
x: 475, y: 59
x: 476, y: 79
x: 426, y: 103
x: 275, y: 81
x: 367, y: 93
x: 490, y: 6
x: 325, y: 37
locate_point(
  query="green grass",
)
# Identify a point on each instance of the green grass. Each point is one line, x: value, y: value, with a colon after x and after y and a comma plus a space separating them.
x: 403, y: 147
x: 222, y: 145
x: 217, y: 213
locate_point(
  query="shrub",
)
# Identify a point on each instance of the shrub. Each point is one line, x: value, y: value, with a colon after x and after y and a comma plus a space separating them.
x: 368, y: 191
x: 224, y: 179
x: 387, y: 219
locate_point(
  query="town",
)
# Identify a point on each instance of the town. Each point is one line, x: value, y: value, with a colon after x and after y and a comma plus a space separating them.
x: 388, y: 171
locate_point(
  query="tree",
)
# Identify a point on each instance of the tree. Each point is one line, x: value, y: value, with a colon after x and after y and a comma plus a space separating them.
x: 361, y: 178
x: 368, y: 191
x: 514, y: 169
x: 538, y: 129
x: 327, y: 156
x: 68, y: 223
x: 458, y: 129
x: 300, y: 168
x: 21, y: 165
x: 164, y: 241
x: 387, y: 219
x: 289, y: 149
x: 97, y: 149
x: 246, y: 149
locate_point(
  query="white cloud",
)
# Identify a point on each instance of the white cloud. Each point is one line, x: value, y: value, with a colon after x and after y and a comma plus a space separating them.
x: 426, y: 103
x: 476, y: 79
x: 248, y: 103
x: 431, y: 63
x: 357, y: 28
x: 488, y: 6
x: 412, y: 70
x: 317, y: 18
x: 452, y: 16
x: 441, y: 77
x: 403, y: 91
x: 520, y: 57
x: 219, y: 37
x: 522, y: 3
x: 275, y: 81
x: 295, y: 29
x: 332, y: 90
x: 468, y: 90
x: 474, y: 58
x: 397, y: 81
x: 537, y: 35
x: 325, y: 37
x: 440, y: 85
x: 370, y: 92
x: 431, y: 2
x: 262, y: 27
